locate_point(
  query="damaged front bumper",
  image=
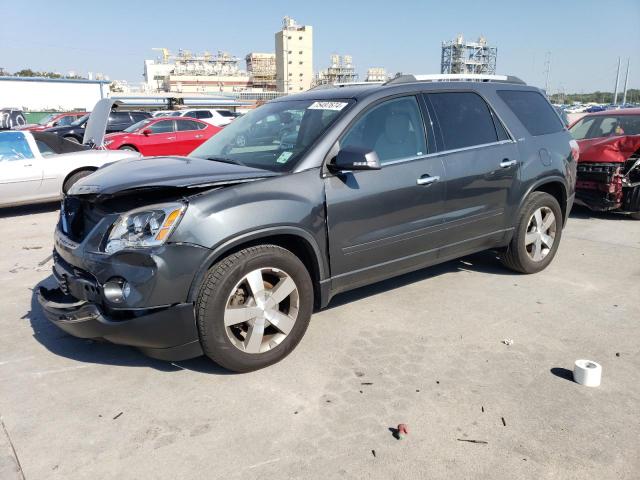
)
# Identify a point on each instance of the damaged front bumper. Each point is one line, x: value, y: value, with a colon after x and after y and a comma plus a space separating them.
x: 608, y: 186
x: 166, y: 333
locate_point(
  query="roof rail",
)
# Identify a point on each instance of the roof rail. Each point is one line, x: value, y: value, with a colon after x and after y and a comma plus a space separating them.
x: 456, y: 77
x: 346, y: 84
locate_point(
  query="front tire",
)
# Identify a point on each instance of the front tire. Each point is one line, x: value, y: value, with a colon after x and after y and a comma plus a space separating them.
x: 128, y: 148
x: 254, y: 307
x: 537, y: 235
x: 74, y: 178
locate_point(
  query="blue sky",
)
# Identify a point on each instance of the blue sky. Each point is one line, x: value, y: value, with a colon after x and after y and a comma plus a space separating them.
x: 115, y: 37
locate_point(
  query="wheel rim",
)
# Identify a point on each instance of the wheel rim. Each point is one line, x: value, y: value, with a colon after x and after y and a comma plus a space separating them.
x: 261, y: 310
x: 541, y: 234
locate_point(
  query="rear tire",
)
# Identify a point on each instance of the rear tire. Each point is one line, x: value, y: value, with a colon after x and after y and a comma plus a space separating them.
x: 74, y: 178
x: 244, y: 295
x: 539, y: 224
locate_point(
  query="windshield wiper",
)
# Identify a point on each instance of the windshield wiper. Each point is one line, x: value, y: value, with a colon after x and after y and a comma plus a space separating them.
x: 226, y: 160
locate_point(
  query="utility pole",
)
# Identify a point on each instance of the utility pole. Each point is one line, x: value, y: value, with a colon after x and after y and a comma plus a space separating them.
x: 626, y: 80
x: 615, y: 95
x: 547, y: 71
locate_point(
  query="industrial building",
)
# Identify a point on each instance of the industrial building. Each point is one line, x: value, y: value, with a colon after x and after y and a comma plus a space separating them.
x: 341, y: 70
x: 261, y: 67
x: 195, y: 73
x: 294, y: 57
x: 376, y: 74
x: 459, y: 56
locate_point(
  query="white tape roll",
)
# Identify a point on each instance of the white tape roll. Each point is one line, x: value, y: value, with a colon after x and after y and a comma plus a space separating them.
x: 588, y: 373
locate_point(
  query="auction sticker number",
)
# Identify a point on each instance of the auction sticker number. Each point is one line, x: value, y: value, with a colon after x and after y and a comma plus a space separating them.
x: 328, y: 106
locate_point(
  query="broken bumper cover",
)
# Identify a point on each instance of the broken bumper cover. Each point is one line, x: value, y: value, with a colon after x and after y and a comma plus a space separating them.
x: 167, y: 333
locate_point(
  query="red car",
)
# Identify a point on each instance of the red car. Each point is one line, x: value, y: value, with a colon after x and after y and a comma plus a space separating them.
x: 162, y: 136
x: 53, y: 120
x: 609, y: 164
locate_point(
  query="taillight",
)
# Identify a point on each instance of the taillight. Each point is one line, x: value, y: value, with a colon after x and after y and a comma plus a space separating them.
x: 575, y: 150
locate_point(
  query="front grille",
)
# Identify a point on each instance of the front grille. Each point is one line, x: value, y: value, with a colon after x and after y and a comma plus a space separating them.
x: 77, y: 218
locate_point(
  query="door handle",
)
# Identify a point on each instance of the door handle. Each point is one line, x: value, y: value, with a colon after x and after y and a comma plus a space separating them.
x: 171, y: 138
x: 427, y: 180
x: 199, y: 136
x: 28, y: 165
x: 506, y: 163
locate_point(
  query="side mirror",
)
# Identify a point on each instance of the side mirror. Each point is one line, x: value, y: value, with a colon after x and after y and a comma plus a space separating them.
x: 355, y: 158
x: 146, y: 132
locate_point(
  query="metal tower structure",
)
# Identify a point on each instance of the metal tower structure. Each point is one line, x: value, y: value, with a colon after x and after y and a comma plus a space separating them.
x: 459, y: 56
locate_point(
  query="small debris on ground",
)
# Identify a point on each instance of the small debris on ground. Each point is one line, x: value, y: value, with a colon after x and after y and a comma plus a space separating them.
x: 366, y: 383
x: 482, y: 408
x: 508, y: 341
x: 503, y: 422
x: 403, y: 431
x: 359, y: 374
x: 617, y: 354
x: 438, y: 382
x: 471, y: 441
x: 373, y: 452
x: 417, y: 390
x: 118, y: 415
x: 31, y: 248
x: 295, y: 413
x: 41, y: 263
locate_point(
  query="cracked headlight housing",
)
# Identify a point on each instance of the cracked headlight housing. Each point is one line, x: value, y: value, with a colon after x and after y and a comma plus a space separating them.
x: 144, y: 227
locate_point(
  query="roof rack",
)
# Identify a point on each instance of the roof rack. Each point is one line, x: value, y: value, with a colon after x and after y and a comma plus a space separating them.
x: 456, y: 77
x: 346, y: 84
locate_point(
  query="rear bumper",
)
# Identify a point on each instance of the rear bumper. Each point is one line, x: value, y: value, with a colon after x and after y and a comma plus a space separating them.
x: 167, y: 333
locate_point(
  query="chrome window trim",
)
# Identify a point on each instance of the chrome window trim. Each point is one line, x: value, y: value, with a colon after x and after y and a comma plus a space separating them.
x: 446, y: 152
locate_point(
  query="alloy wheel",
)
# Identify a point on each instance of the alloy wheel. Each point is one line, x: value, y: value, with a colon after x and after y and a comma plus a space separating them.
x: 541, y: 233
x: 261, y: 310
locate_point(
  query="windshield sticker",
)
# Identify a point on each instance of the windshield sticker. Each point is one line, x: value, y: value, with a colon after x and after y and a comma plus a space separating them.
x: 284, y: 156
x: 337, y: 106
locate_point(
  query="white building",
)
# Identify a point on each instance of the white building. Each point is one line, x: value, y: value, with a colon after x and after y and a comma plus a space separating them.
x: 45, y: 94
x: 294, y: 57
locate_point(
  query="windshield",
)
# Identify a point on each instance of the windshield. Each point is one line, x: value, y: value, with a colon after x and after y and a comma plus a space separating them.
x: 598, y: 126
x: 81, y: 121
x: 14, y: 146
x: 46, y: 119
x: 273, y: 136
x: 138, y: 125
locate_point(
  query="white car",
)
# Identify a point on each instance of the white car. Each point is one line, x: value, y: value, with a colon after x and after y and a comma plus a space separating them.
x: 214, y: 116
x: 39, y: 167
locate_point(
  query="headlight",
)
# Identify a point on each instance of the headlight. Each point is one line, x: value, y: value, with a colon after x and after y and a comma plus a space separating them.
x: 144, y: 227
x: 106, y: 143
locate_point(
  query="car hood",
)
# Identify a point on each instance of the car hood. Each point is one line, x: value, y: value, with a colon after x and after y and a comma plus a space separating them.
x: 608, y: 149
x: 157, y: 172
x: 97, y: 123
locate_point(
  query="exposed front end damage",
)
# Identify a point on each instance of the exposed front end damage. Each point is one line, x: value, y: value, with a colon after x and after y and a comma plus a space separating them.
x: 608, y: 175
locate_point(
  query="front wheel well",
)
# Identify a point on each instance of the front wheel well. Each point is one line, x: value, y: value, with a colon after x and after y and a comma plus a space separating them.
x: 296, y: 244
x: 556, y: 190
x: 73, y: 172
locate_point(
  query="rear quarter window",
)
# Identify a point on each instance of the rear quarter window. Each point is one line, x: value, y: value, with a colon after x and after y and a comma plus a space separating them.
x: 533, y: 110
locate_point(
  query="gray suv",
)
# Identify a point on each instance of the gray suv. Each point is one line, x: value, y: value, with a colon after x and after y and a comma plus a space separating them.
x: 228, y: 251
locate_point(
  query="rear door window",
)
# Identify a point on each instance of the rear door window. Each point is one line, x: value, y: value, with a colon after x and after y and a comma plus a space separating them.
x: 203, y: 114
x: 533, y: 110
x: 187, y: 125
x: 464, y: 119
x: 393, y: 129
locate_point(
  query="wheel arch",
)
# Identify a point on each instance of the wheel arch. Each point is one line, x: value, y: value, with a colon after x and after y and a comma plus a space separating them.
x: 554, y: 186
x: 84, y: 168
x: 296, y: 240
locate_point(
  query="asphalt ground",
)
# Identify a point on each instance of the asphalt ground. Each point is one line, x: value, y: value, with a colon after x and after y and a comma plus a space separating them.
x: 425, y: 349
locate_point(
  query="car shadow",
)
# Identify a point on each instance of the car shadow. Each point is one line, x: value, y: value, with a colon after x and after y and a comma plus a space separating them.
x: 23, y: 210
x: 581, y: 212
x: 484, y: 262
x: 100, y: 352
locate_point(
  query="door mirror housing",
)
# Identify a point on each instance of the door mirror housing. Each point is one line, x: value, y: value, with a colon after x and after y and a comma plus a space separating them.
x: 146, y: 132
x: 355, y: 158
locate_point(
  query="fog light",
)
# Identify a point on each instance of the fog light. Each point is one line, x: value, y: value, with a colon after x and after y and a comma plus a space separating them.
x: 116, y: 290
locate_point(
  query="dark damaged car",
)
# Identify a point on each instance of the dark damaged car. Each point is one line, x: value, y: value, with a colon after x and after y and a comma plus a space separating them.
x: 609, y: 164
x: 228, y: 251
